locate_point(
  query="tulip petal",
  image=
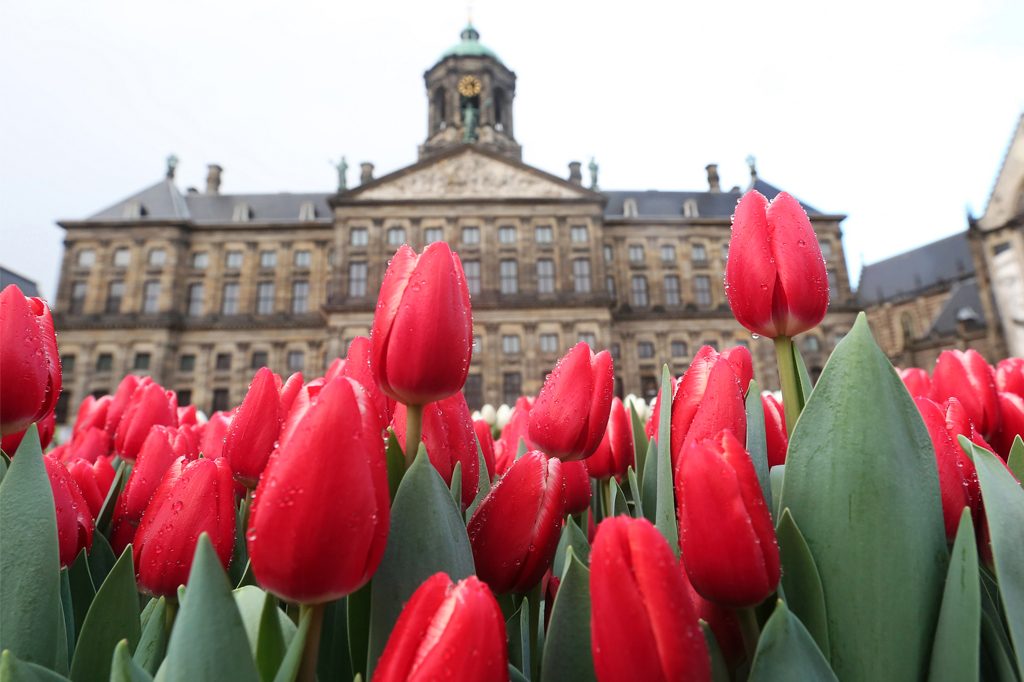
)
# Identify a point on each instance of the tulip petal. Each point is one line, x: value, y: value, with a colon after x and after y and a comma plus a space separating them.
x: 800, y: 297
x: 751, y: 271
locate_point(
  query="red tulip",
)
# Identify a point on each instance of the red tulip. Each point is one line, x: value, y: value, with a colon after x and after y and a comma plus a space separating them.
x: 726, y: 533
x: 486, y: 440
x: 917, y: 381
x: 121, y: 399
x: 723, y: 623
x: 742, y: 365
x: 447, y: 631
x: 515, y: 531
x: 92, y: 412
x: 615, y: 453
x: 1010, y: 376
x: 968, y: 378
x: 193, y: 498
x: 775, y: 278
x: 29, y: 363
x: 651, y: 428
x: 93, y: 480
x: 774, y: 429
x: 320, y: 518
x: 518, y: 429
x: 211, y: 442
x: 1011, y: 406
x: 449, y: 438
x: 304, y: 399
x: 356, y: 365
x: 290, y: 389
x: 571, y: 412
x: 46, y: 425
x: 91, y: 444
x: 950, y: 460
x: 708, y: 399
x: 151, y: 405
x: 74, y: 523
x: 422, y: 331
x: 577, y: 486
x: 642, y: 623
x: 187, y: 414
x: 254, y: 429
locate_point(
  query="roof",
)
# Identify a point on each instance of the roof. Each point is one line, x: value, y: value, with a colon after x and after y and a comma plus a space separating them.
x: 161, y: 201
x: 470, y: 46
x: 9, y: 277
x: 669, y: 204
x: 943, y: 261
x: 963, y: 305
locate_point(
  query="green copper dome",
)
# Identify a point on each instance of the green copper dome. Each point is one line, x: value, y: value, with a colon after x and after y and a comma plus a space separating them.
x: 469, y: 46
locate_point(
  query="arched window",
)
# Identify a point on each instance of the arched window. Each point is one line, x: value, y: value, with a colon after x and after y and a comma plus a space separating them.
x: 499, y: 108
x: 690, y: 208
x: 907, y: 326
x: 440, y: 115
x: 629, y: 208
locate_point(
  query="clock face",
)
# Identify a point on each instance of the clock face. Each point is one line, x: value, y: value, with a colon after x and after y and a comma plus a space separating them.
x: 469, y: 86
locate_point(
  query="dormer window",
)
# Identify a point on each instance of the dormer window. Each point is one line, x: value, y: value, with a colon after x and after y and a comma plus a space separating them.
x: 690, y: 209
x: 132, y: 210
x: 307, y: 211
x: 629, y: 208
x: 242, y: 213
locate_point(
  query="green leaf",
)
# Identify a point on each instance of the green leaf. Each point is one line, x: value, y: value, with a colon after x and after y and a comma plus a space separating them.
x: 123, y: 668
x: 106, y: 516
x: 483, y: 487
x: 776, y: 476
x: 515, y: 676
x: 1016, y: 459
x: 639, y: 440
x: 251, y: 602
x: 358, y: 625
x: 805, y: 383
x: 67, y: 610
x: 293, y: 656
x: 958, y: 635
x: 101, y: 559
x: 619, y: 506
x: 786, y: 651
x: 572, y: 536
x: 240, y: 552
x: 208, y: 641
x: 427, y: 535
x: 517, y: 627
x: 333, y: 662
x: 395, y: 459
x: 649, y: 482
x: 757, y: 442
x: 31, y: 625
x: 14, y: 670
x: 634, y: 492
x: 862, y: 485
x: 82, y: 589
x: 719, y: 670
x: 801, y: 581
x: 4, y: 465
x: 665, y: 506
x: 456, y: 486
x: 113, y: 616
x: 270, y: 646
x: 248, y: 578
x: 1004, y: 509
x: 149, y: 654
x: 995, y: 655
x: 567, y: 646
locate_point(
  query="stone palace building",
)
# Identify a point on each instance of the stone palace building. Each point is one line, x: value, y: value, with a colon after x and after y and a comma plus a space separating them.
x: 198, y: 289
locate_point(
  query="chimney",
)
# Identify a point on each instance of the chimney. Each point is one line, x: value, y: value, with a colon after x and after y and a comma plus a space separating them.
x: 365, y: 172
x: 575, y: 173
x: 713, y: 186
x: 213, y: 172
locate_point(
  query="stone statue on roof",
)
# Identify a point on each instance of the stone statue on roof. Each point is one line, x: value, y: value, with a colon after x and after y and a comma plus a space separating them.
x: 342, y: 168
x: 593, y: 173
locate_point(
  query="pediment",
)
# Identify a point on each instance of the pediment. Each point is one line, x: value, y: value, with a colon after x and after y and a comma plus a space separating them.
x: 469, y: 174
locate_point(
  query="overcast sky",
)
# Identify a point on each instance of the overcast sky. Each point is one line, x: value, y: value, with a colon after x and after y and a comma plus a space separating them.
x: 895, y: 113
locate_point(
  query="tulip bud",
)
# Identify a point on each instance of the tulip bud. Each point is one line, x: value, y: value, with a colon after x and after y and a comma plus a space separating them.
x: 776, y: 436
x: 121, y: 399
x: 29, y: 363
x: 571, y: 411
x: 454, y: 632
x: 515, y: 531
x: 723, y: 623
x: 151, y: 405
x: 950, y: 461
x: 319, y: 522
x: 186, y: 415
x: 486, y: 440
x: 642, y: 623
x: 90, y: 444
x: 93, y: 480
x: 708, y: 399
x: 968, y: 378
x: 775, y: 278
x: 1010, y: 376
x: 577, y: 486
x: 211, y: 442
x: 916, y: 380
x: 1011, y: 407
x: 290, y: 389
x: 193, y: 498
x: 254, y: 429
x: 422, y: 337
x: 516, y: 429
x: 92, y: 412
x: 449, y: 438
x: 74, y: 523
x: 615, y: 453
x: 742, y: 365
x: 356, y: 365
x: 47, y: 424
x: 726, y: 533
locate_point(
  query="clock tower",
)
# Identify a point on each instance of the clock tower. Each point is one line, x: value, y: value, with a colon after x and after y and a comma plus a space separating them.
x: 470, y: 95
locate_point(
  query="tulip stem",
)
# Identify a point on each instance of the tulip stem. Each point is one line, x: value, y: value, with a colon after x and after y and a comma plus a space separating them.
x: 534, y: 597
x: 307, y: 669
x: 789, y: 379
x: 413, y: 432
x: 606, y: 488
x: 749, y: 630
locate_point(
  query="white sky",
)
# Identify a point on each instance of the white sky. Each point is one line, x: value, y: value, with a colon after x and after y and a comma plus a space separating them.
x: 895, y: 113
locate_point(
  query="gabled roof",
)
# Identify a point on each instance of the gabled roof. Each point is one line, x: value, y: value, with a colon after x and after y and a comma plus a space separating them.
x: 9, y: 277
x: 280, y: 207
x: 161, y: 201
x: 943, y: 261
x: 669, y: 204
x: 963, y: 304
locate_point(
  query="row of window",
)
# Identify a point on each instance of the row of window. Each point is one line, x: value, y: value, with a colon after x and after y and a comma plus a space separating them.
x: 296, y: 361
x: 122, y: 257
x: 507, y: 234
x: 230, y: 300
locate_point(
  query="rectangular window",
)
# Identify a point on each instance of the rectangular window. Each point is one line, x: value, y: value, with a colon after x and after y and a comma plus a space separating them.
x: 396, y: 236
x: 472, y: 270
x: 300, y: 296
x: 77, y: 298
x: 67, y: 364
x: 157, y: 257
x: 220, y: 400
x: 668, y: 253
x: 187, y: 363
x: 115, y: 294
x: 581, y: 275
x: 264, y: 298
x: 636, y: 253
x: 104, y: 362
x: 141, y: 361
x: 122, y: 258
x: 478, y: 345
x: 184, y: 397
x: 549, y: 343
x: 725, y: 253
x: 589, y: 338
x: 200, y: 260
x: 609, y: 284
x: 545, y: 276
x: 229, y: 304
x: 233, y: 260
x: 471, y: 235
x: 579, y: 234
x: 833, y: 284
x: 712, y: 343
x: 511, y: 387
x: 151, y: 296
x: 700, y: 254
x: 509, y: 277
x: 826, y: 248
x: 260, y: 358
x: 507, y: 234
x: 639, y: 291
x: 615, y: 350
x: 268, y: 259
x: 358, y: 236
x: 473, y: 391
x: 609, y: 253
x: 543, y: 234
x: 510, y: 344
x: 432, y: 234
x: 195, y: 299
x: 672, y: 290
x: 702, y: 291
x: 357, y: 279
x: 303, y: 258
x: 296, y: 360
x: 222, y: 362
x: 645, y: 350
x: 679, y: 349
x: 86, y: 258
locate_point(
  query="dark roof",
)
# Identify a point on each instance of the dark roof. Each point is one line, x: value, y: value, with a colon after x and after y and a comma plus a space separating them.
x: 963, y: 304
x: 8, y: 277
x: 669, y: 204
x: 161, y: 201
x: 943, y: 261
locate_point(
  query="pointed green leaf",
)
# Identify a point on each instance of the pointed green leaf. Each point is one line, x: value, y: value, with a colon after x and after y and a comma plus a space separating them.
x: 1004, y: 509
x: 634, y: 492
x: 619, y: 506
x: 240, y: 552
x: 806, y: 385
x: 786, y: 651
x: 270, y: 646
x: 776, y: 476
x: 67, y: 610
x: 113, y: 616
x: 757, y: 442
x: 649, y: 482
x: 861, y: 483
x: 248, y: 578
x: 567, y: 647
x: 639, y: 440
x: 31, y: 625
x: 456, y: 486
x: 4, y: 465
x: 427, y: 535
x: 123, y: 668
x: 251, y: 602
x: 525, y: 646
x: 719, y: 670
x: 995, y: 654
x: 801, y: 582
x: 82, y: 589
x: 358, y: 625
x: 101, y: 559
x: 208, y: 641
x: 149, y: 654
x: 522, y: 449
x: 1016, y: 459
x: 514, y: 675
x: 958, y: 635
x: 14, y: 670
x: 572, y: 536
x: 395, y: 458
x: 333, y: 662
x: 483, y: 487
x: 665, y: 507
x: 293, y: 656
x: 106, y: 515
